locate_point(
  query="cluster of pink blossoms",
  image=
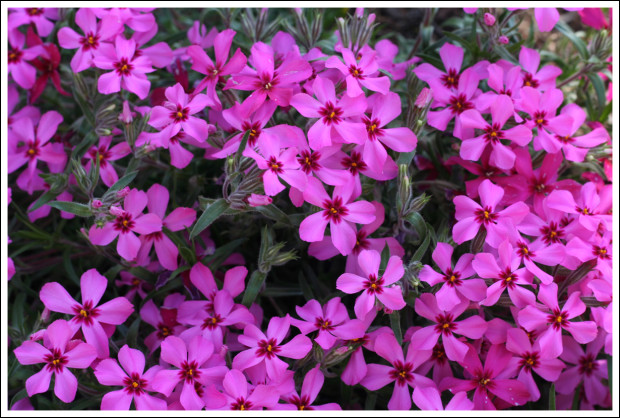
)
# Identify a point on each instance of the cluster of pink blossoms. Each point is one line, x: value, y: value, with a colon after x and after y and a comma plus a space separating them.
x: 541, y: 250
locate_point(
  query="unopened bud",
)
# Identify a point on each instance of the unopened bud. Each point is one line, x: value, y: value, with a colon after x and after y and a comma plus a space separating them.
x: 359, y: 12
x: 489, y: 19
x: 503, y: 40
x: 96, y: 204
x: 370, y: 20
x: 424, y: 98
x: 259, y: 200
x: 123, y: 192
x: 116, y: 211
x: 126, y: 116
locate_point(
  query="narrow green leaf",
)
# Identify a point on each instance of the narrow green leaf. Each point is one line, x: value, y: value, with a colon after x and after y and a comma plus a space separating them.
x: 122, y: 182
x: 568, y: 32
x: 68, y: 265
x: 77, y: 209
x: 305, y: 287
x: 132, y: 333
x: 253, y: 288
x: 395, y: 324
x: 81, y: 148
x: 385, y: 256
x: 601, y: 94
x: 42, y: 200
x: 417, y: 256
x: 610, y: 375
x: 386, y: 73
x: 576, y: 398
x: 274, y: 213
x: 552, y: 406
x: 211, y: 213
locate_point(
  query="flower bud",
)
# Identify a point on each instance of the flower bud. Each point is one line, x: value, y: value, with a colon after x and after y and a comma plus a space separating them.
x: 503, y: 40
x: 489, y: 19
x: 116, y: 211
x: 123, y: 192
x: 255, y: 200
x: 96, y: 204
x: 126, y: 116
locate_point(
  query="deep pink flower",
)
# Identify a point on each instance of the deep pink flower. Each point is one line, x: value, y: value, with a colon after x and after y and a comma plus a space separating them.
x: 503, y: 79
x: 88, y: 315
x: 333, y: 124
x: 126, y: 223
x: 446, y: 325
x: 107, y: 154
x: 401, y: 371
x: 587, y: 208
x: 237, y: 395
x: 188, y: 360
x: 553, y: 319
x: 576, y: 148
x: 179, y: 219
x: 331, y: 321
x: 594, y: 17
x: 501, y: 156
x: 266, y: 81
x: 132, y: 377
x: 94, y: 34
x: 428, y: 398
x: 312, y: 384
x: 454, y: 278
x: 23, y: 73
x: 265, y: 350
x: 499, y: 224
x: 129, y: 71
x: 59, y: 354
x: 163, y: 319
x: 359, y: 73
x: 543, y: 79
x: 136, y: 285
x: 339, y: 212
x: 39, y: 17
x: 138, y: 19
x: 36, y: 146
x: 373, y: 285
x: 487, y: 381
x: 13, y: 100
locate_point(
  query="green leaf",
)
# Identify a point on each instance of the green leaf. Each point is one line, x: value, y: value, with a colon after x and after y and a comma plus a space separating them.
x: 386, y: 73
x: 568, y: 32
x: 81, y: 148
x: 211, y: 213
x: 395, y: 324
x: 274, y: 213
x: 552, y: 406
x: 385, y: 256
x: 77, y: 209
x: 42, y: 200
x: 122, y: 182
x: 417, y: 256
x: 610, y: 375
x: 599, y: 87
x: 253, y: 288
x: 132, y: 333
x: 68, y: 265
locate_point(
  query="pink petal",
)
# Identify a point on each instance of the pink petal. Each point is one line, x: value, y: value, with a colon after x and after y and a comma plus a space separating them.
x: 313, y: 227
x: 392, y: 298
x: 167, y: 253
x: 38, y: 382
x: 65, y: 385
x: 31, y: 352
x: 81, y: 356
x: 343, y: 236
x: 350, y: 283
x: 109, y: 373
x: 377, y: 377
x: 401, y: 398
x: 93, y: 285
x: 128, y: 246
x: 118, y: 400
x: 57, y: 299
x: 296, y: 348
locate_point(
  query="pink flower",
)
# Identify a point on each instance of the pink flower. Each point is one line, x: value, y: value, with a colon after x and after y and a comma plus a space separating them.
x: 333, y: 124
x: 266, y: 81
x: 138, y: 19
x: 106, y: 155
x: 135, y: 381
x: 129, y: 71
x: 237, y: 396
x: 373, y: 285
x: 488, y: 380
x: 331, y: 321
x: 446, y: 326
x: 359, y: 73
x: 428, y: 398
x: 576, y: 148
x: 126, y: 223
x: 498, y: 224
x: 489, y: 19
x: 501, y: 156
x: 454, y: 283
x: 38, y: 17
x: 59, y: 354
x: 338, y: 211
x: 266, y: 350
x: 215, y: 72
x: 587, y: 208
x: 188, y: 360
x: 179, y: 219
x: 23, y: 73
x: 36, y: 147
x: 401, y: 371
x: 554, y: 319
x: 312, y: 384
x: 543, y: 79
x: 277, y: 163
x: 88, y: 44
x: 163, y: 319
x: 89, y: 315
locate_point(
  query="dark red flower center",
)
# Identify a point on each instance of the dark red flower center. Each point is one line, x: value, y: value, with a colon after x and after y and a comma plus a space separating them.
x: 55, y: 361
x: 324, y: 324
x: 483, y: 379
x: 254, y: 131
x: 530, y: 360
x: 566, y: 139
x: 540, y: 118
x: 373, y: 128
x: 585, y: 211
x: 90, y: 41
x: 33, y: 150
x: 485, y: 216
x: 135, y: 384
x: 180, y: 114
x: 104, y: 155
x: 558, y: 319
x: 331, y: 114
x: 402, y: 372
x: 452, y: 278
x: 309, y: 161
x: 212, y: 322
x: 524, y: 251
x: 123, y: 67
x: 508, y: 278
x: 601, y: 252
x: 15, y: 56
x: 335, y: 209
x: 189, y: 371
x: 459, y: 104
x: 551, y: 233
x: 267, y: 348
x: 439, y: 354
x: 445, y: 324
x: 492, y: 134
x: 34, y: 11
x: 274, y: 165
x: 240, y: 404
x: 164, y: 331
x: 356, y: 72
x: 354, y: 163
x: 85, y: 313
x: 361, y: 243
x: 587, y: 364
x: 450, y: 79
x: 530, y: 81
x: 124, y: 223
x: 374, y: 284
x: 302, y: 403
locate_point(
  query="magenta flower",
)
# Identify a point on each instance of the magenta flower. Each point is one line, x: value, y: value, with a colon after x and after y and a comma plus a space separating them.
x: 132, y: 377
x: 338, y: 211
x: 445, y: 327
x: 126, y: 223
x: 503, y: 79
x: 501, y: 155
x: 471, y: 216
x: 266, y: 81
x: 401, y: 371
x: 215, y: 72
x: 584, y: 368
x: 373, y: 285
x: 38, y: 17
x: 237, y: 396
x: 106, y: 155
x: 543, y: 79
x: 176, y: 115
x: 576, y: 148
x: 312, y: 384
x: 129, y: 70
x: 188, y: 360
x: 507, y: 275
x: 179, y: 219
x: 554, y: 319
x: 36, y: 146
x: 542, y: 109
x: 266, y: 350
x: 332, y: 125
x: 587, y: 208
x: 428, y: 398
x: 331, y: 321
x: 163, y: 319
x: 385, y: 108
x: 22, y: 72
x: 487, y: 380
x: 138, y: 19
x: 359, y: 74
x: 59, y: 354
x: 94, y: 34
x: 532, y: 359
x: 277, y: 163
x: 539, y: 252
x: 89, y: 316
x: 454, y: 283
